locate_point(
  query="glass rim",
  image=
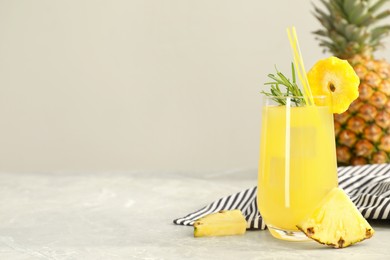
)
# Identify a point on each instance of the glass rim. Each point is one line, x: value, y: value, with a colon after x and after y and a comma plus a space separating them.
x: 297, y: 101
x: 303, y: 97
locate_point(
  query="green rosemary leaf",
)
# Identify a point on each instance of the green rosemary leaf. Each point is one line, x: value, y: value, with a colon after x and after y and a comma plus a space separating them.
x: 292, y: 89
x: 293, y: 73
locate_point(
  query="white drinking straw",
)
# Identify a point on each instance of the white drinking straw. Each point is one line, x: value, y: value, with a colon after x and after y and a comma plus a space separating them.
x: 287, y: 155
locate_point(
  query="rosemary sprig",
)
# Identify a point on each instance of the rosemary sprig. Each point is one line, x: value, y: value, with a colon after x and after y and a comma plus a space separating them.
x: 292, y: 88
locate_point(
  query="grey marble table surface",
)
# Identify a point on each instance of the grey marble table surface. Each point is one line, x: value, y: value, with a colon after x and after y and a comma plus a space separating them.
x: 128, y: 215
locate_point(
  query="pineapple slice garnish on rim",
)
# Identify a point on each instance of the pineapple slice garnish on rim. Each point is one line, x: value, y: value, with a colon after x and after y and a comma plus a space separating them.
x: 336, y: 222
x: 335, y: 78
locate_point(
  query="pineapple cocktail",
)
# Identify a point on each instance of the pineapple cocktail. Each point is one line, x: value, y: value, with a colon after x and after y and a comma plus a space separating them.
x: 297, y: 165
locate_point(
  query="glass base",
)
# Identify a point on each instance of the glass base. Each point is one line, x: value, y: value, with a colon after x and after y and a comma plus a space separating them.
x: 289, y: 235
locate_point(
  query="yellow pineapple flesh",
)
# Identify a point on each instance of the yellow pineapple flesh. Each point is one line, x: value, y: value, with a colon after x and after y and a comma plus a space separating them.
x: 335, y: 78
x: 222, y: 223
x: 336, y: 222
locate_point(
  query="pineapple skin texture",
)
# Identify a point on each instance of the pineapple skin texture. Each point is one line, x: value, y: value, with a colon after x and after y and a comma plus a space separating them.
x: 337, y: 222
x: 363, y: 131
x: 223, y: 223
x: 351, y: 30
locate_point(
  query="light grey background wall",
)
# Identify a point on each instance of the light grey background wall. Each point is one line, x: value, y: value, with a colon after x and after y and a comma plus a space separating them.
x: 140, y: 84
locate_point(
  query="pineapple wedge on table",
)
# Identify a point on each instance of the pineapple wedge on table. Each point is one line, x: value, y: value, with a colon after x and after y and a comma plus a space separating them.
x: 336, y: 222
x: 222, y: 223
x: 351, y: 30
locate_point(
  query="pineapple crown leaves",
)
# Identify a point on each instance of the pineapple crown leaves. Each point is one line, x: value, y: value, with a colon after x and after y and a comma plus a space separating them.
x: 350, y: 26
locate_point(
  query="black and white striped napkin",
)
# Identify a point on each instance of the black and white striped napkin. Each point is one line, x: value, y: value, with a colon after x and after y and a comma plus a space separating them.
x: 368, y: 187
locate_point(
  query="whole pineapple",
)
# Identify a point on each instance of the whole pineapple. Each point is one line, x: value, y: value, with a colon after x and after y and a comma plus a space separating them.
x: 351, y: 31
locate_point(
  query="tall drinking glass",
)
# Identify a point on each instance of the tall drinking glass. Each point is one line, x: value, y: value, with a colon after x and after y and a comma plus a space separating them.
x: 297, y: 164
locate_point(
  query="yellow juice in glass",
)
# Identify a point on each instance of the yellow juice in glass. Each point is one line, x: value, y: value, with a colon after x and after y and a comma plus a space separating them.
x: 297, y: 165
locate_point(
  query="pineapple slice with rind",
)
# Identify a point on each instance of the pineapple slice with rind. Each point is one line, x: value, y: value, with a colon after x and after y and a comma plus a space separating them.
x: 336, y: 222
x: 335, y: 78
x: 222, y: 223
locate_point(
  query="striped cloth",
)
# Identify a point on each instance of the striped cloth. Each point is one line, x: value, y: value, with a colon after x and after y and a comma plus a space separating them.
x: 368, y: 187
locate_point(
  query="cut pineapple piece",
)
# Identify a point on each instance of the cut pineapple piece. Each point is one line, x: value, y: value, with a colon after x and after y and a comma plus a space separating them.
x: 223, y: 223
x: 335, y: 78
x: 336, y: 222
